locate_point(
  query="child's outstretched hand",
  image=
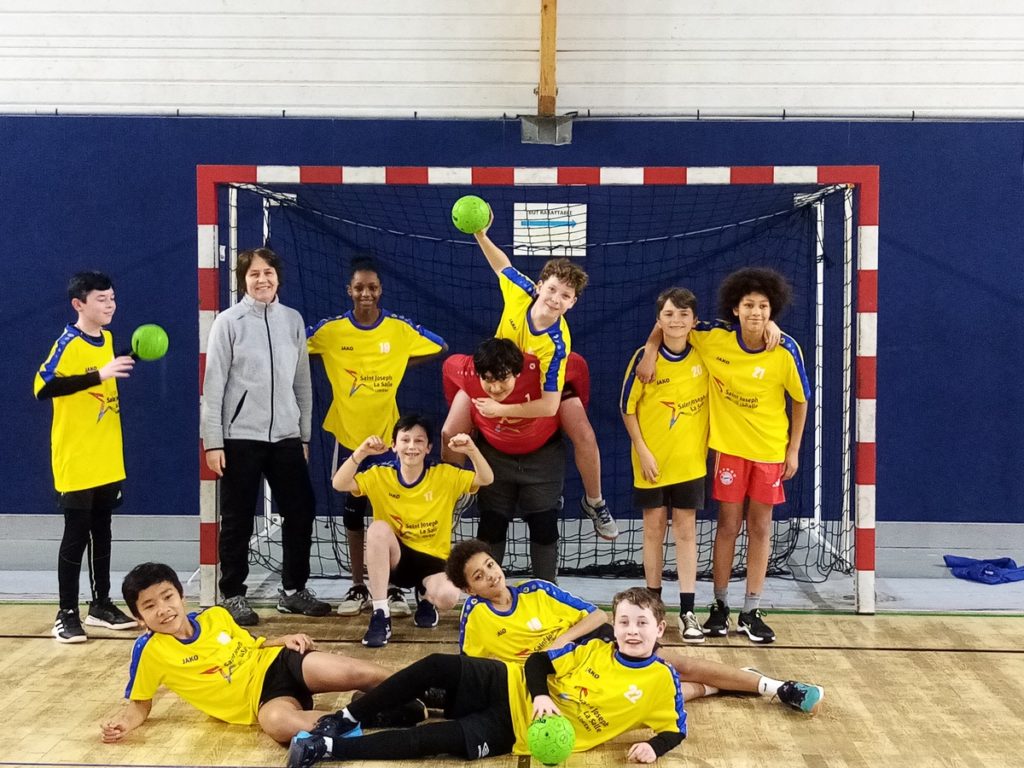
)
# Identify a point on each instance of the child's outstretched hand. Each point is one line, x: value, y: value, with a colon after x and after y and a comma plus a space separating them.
x: 641, y: 752
x: 118, y: 368
x: 113, y: 731
x: 543, y: 706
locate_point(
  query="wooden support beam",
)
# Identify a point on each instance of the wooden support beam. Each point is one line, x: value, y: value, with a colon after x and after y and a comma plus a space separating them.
x: 547, y: 90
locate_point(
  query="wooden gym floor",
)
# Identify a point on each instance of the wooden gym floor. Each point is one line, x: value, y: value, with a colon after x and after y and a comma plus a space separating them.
x: 901, y: 690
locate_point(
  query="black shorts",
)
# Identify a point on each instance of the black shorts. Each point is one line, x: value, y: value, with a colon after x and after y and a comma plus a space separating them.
x: 284, y: 678
x: 109, y: 496
x: 687, y: 495
x: 414, y: 566
x: 481, y: 706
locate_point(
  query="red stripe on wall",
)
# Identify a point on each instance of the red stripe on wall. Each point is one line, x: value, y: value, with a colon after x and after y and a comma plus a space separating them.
x: 202, y: 371
x: 401, y: 174
x: 752, y: 174
x: 494, y: 176
x: 572, y: 175
x: 208, y: 549
x: 665, y: 175
x: 867, y: 180
x: 867, y: 290
x: 207, y: 179
x: 864, y: 549
x: 320, y: 174
x: 864, y: 474
x: 209, y: 296
x: 867, y: 378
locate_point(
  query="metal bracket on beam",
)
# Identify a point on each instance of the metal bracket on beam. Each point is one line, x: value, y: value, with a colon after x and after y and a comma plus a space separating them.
x: 546, y: 130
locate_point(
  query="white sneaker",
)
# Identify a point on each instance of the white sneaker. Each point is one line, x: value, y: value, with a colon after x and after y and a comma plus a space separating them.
x: 356, y: 601
x: 690, y: 628
x: 604, y: 523
x: 397, y: 603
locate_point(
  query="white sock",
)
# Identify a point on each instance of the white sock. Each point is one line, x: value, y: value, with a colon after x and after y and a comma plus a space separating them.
x: 593, y: 502
x: 382, y: 605
x: 289, y: 592
x: 347, y: 715
x: 766, y: 686
x: 709, y: 690
x: 329, y: 743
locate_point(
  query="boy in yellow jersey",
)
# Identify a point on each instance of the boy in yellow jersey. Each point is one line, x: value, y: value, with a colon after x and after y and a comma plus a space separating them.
x: 667, y: 422
x: 604, y: 686
x: 757, y: 444
x: 365, y: 353
x: 80, y: 376
x: 413, y: 502
x: 509, y: 623
x: 533, y: 317
x: 222, y: 670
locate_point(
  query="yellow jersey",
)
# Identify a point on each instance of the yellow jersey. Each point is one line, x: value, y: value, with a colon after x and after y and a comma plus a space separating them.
x: 219, y: 670
x: 420, y: 513
x: 86, y: 448
x: 365, y: 365
x: 748, y: 391
x: 673, y: 415
x: 605, y: 694
x: 540, y: 612
x: 551, y: 346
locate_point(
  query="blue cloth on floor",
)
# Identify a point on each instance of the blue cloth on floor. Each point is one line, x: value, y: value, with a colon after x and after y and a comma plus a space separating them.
x: 1000, y: 570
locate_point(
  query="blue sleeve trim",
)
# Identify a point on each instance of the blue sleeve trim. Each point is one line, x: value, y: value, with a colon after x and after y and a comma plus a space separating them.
x: 427, y: 334
x: 559, y: 594
x: 679, y: 702
x: 49, y: 370
x: 789, y: 344
x: 516, y: 277
x: 133, y: 666
x: 312, y: 329
x: 627, y: 385
x: 557, y: 361
x: 470, y: 604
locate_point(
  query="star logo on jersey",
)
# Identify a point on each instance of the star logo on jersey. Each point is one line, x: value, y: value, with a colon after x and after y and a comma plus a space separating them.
x: 581, y: 695
x: 106, y: 404
x: 633, y: 694
x: 719, y: 384
x: 218, y: 670
x: 356, y: 385
x: 398, y: 523
x: 675, y: 412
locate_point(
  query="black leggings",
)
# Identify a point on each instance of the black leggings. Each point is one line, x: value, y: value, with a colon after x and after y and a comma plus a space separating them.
x: 482, y: 711
x: 84, y: 529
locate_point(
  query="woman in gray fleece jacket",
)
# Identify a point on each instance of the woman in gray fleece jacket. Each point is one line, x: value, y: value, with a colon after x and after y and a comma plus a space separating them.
x: 257, y: 407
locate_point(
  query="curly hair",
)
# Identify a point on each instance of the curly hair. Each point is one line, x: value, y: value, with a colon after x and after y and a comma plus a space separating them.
x: 569, y: 273
x: 761, y: 280
x: 455, y: 568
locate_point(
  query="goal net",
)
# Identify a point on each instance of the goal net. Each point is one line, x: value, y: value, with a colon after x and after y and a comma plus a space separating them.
x: 634, y: 240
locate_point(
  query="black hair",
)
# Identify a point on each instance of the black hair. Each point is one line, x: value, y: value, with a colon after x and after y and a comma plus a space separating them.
x: 245, y: 261
x: 497, y: 358
x: 761, y: 280
x: 144, y: 576
x: 461, y: 553
x: 362, y: 263
x: 81, y: 283
x: 411, y: 420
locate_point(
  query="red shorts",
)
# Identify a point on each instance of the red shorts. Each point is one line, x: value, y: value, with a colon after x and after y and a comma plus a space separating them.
x: 736, y: 479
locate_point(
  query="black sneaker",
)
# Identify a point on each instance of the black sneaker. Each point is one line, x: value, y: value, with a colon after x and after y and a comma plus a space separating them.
x: 801, y: 696
x: 103, y: 613
x: 240, y: 611
x: 67, y: 627
x: 717, y: 622
x: 306, y: 750
x: 336, y: 726
x: 426, y: 613
x: 434, y: 698
x: 303, y: 601
x: 752, y: 625
x: 379, y: 631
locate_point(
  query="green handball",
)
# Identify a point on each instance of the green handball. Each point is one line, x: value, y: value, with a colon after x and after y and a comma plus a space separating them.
x: 550, y: 739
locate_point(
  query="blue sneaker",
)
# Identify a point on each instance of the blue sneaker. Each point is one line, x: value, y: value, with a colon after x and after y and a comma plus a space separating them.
x: 336, y: 726
x: 801, y: 696
x: 426, y: 614
x: 379, y: 631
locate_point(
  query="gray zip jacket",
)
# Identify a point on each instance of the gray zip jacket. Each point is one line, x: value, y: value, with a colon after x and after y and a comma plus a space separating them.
x: 257, y: 384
